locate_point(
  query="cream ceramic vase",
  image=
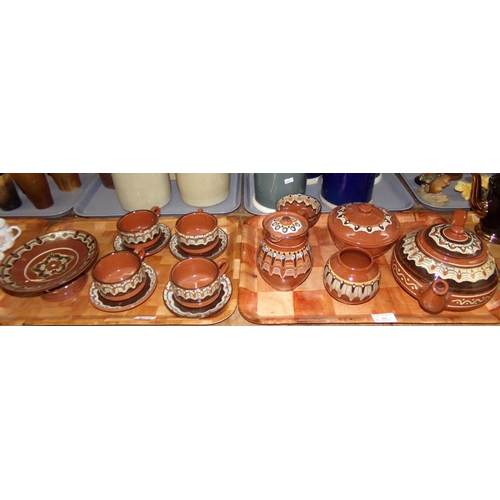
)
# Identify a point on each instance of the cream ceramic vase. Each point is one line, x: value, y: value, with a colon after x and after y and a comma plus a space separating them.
x: 142, y: 191
x: 203, y: 190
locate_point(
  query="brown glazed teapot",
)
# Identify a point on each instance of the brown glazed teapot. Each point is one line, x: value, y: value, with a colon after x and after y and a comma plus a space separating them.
x: 488, y: 210
x: 285, y: 257
x: 445, y: 267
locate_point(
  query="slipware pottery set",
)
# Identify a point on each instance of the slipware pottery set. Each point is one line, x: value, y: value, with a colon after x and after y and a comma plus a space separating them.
x: 198, y: 286
x: 444, y: 266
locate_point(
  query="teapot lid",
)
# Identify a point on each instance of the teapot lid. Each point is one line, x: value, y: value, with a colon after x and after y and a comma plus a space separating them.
x: 453, y: 242
x: 285, y: 224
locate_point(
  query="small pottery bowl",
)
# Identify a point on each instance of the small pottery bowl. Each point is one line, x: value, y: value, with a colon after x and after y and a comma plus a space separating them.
x: 120, y: 275
x: 352, y: 276
x: 307, y: 206
x: 196, y: 281
x: 364, y: 225
x: 197, y: 232
x: 140, y: 228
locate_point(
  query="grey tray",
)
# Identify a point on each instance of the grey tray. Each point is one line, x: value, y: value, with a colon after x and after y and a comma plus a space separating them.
x: 98, y: 201
x: 388, y: 193
x: 456, y: 200
x: 63, y: 201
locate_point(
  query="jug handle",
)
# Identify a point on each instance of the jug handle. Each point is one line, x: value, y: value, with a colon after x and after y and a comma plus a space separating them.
x: 478, y: 205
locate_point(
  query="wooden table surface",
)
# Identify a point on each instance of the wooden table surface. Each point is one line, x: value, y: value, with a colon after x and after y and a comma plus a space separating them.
x: 236, y: 319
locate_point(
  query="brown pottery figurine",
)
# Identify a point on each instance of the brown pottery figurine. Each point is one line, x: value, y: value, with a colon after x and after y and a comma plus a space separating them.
x: 352, y: 276
x: 445, y: 267
x: 285, y: 256
x: 364, y: 225
x: 488, y: 210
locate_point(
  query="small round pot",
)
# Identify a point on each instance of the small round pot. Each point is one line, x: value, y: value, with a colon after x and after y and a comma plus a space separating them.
x: 352, y: 276
x: 364, y: 225
x: 445, y: 267
x: 305, y: 205
x: 284, y: 256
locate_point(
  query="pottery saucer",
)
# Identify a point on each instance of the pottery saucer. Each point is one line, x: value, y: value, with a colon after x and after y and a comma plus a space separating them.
x: 159, y: 245
x: 99, y: 302
x: 178, y: 252
x: 204, y: 312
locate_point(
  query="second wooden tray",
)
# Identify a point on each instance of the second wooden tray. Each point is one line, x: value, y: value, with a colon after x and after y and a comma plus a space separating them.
x: 310, y: 303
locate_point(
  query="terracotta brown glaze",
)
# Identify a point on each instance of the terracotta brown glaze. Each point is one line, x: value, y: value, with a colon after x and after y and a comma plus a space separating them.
x: 352, y: 276
x: 140, y: 228
x: 487, y: 208
x: 284, y: 256
x: 120, y: 276
x: 196, y: 281
x: 307, y: 206
x: 197, y: 232
x: 445, y: 267
x: 364, y: 225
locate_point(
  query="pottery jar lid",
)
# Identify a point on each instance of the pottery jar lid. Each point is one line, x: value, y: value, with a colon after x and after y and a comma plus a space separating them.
x: 364, y: 224
x: 284, y: 225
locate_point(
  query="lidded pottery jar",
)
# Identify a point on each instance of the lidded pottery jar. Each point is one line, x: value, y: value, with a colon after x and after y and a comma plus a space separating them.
x: 364, y: 225
x: 285, y: 256
x: 445, y: 267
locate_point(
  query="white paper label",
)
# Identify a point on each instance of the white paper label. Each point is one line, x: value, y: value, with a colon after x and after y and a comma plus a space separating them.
x: 384, y: 318
x: 289, y: 180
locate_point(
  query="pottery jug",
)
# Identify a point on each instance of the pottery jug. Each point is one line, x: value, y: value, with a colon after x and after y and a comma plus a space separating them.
x: 285, y: 256
x: 204, y: 189
x: 142, y: 191
x: 445, y: 267
x: 487, y: 209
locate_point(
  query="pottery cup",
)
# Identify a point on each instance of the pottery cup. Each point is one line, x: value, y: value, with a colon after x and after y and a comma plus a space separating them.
x: 196, y: 281
x: 120, y: 275
x: 140, y: 228
x: 197, y: 232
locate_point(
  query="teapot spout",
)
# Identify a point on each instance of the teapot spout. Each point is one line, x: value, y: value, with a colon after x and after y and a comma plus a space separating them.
x: 477, y: 203
x: 433, y: 299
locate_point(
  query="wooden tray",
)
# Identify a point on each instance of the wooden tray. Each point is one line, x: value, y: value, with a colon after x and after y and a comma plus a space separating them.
x: 79, y: 310
x: 311, y: 304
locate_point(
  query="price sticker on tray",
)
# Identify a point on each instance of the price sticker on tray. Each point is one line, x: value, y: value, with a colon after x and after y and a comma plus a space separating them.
x: 384, y: 318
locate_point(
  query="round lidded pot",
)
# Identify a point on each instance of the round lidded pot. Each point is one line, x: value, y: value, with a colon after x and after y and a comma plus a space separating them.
x: 285, y: 257
x: 445, y: 267
x: 364, y: 225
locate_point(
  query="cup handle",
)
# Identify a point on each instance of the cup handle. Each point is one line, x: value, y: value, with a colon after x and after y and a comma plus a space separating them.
x: 223, y: 266
x: 140, y: 252
x: 156, y: 210
x: 18, y: 232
